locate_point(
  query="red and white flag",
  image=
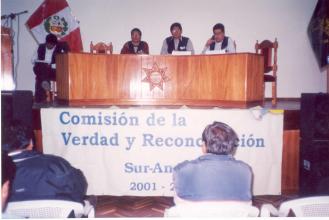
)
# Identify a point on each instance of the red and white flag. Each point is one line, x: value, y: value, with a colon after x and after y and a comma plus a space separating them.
x: 54, y: 16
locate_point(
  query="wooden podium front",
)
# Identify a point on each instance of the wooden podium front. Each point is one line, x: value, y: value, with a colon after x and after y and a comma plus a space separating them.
x: 227, y: 80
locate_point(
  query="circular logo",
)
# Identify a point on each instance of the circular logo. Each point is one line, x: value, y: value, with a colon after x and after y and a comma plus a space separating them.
x: 56, y: 25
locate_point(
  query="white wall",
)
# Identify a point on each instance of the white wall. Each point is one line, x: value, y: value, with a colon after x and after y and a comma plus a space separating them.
x: 245, y: 21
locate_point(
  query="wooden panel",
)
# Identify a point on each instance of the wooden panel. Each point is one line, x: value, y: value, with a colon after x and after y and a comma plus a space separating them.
x: 62, y: 76
x: 290, y: 154
x: 128, y: 74
x: 6, y: 60
x: 291, y: 120
x: 230, y: 80
x: 38, y: 141
x: 255, y: 84
x: 36, y: 125
x: 290, y: 162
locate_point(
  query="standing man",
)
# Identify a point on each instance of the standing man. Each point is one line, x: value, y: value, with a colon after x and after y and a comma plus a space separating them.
x: 45, y: 65
x: 136, y: 45
x: 219, y: 41
x: 176, y: 41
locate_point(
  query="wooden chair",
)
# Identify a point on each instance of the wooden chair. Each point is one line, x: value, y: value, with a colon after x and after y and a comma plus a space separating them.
x: 269, y: 50
x: 215, y: 209
x: 101, y: 48
x: 314, y: 206
x: 49, y: 209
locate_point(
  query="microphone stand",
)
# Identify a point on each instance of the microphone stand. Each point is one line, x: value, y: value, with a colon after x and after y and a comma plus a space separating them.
x: 13, y: 15
x: 10, y: 17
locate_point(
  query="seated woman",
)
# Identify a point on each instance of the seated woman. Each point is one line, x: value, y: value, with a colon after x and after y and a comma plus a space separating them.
x: 216, y: 175
x: 135, y: 46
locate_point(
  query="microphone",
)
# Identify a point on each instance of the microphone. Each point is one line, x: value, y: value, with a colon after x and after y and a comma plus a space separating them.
x: 13, y: 15
x: 22, y: 12
x: 4, y: 17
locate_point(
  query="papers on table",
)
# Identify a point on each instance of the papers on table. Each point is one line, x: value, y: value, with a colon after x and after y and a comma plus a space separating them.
x: 215, y: 52
x: 181, y: 53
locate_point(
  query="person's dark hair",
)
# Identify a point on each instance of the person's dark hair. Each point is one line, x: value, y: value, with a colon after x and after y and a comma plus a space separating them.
x: 137, y: 30
x: 8, y: 168
x: 218, y: 26
x: 51, y: 39
x: 220, y: 138
x: 176, y: 24
x: 17, y: 136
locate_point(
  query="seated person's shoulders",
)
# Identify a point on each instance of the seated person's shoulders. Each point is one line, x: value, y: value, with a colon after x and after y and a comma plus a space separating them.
x: 54, y: 158
x: 186, y: 164
x: 242, y: 164
x: 199, y: 162
x: 126, y: 44
x: 144, y: 42
x: 54, y: 163
x: 49, y: 165
x: 230, y: 39
x: 181, y: 165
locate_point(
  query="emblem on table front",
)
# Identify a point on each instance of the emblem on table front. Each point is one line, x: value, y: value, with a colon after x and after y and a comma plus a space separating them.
x: 155, y: 76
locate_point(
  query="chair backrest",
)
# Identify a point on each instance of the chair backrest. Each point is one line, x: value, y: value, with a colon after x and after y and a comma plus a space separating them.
x: 316, y: 206
x: 101, y: 48
x: 212, y: 209
x: 44, y: 209
x: 269, y: 50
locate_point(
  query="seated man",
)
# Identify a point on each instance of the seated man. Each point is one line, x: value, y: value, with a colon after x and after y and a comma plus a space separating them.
x: 219, y: 41
x: 176, y: 41
x: 135, y: 46
x: 216, y: 175
x: 40, y: 176
x: 45, y: 65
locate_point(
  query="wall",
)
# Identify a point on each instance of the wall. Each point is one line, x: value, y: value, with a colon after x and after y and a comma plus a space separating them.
x: 245, y: 22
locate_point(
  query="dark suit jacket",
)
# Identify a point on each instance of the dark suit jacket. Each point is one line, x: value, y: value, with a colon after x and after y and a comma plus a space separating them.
x: 41, y: 176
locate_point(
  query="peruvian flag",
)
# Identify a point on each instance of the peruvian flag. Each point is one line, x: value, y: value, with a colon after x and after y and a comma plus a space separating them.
x: 54, y: 16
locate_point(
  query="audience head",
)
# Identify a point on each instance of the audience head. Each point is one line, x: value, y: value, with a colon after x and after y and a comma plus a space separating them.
x: 8, y: 170
x: 176, y: 30
x: 51, y: 41
x: 18, y: 136
x: 219, y: 32
x: 136, y: 35
x: 219, y: 138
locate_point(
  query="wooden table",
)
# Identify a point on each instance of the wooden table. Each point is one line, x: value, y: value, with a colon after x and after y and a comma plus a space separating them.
x: 226, y: 80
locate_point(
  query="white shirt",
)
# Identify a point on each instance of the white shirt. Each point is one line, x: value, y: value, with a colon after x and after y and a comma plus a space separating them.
x: 218, y: 46
x: 48, y: 57
x: 189, y: 46
x: 135, y: 49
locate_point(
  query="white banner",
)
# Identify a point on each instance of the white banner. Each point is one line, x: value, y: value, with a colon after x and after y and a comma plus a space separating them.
x: 132, y: 151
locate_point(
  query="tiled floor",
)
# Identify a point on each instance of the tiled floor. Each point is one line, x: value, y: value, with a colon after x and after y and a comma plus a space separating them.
x: 131, y: 206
